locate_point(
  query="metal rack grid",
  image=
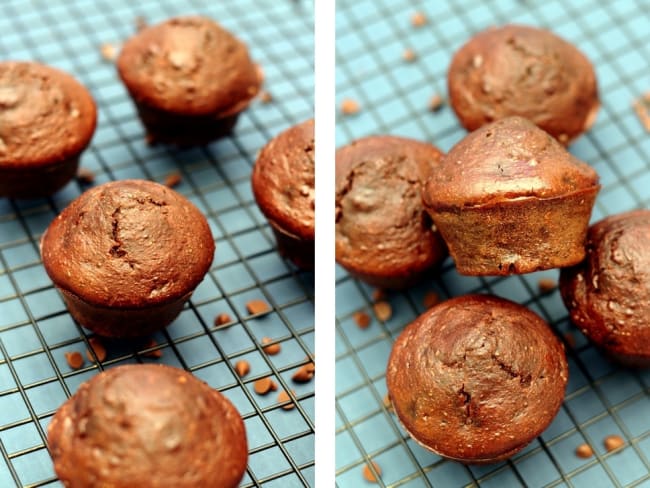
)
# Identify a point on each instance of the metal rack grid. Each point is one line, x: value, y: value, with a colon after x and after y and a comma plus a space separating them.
x: 35, y: 328
x: 393, y: 95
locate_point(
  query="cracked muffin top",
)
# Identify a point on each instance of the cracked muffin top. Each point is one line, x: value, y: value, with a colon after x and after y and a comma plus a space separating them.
x: 130, y: 244
x: 526, y: 71
x: 476, y: 378
x: 383, y: 235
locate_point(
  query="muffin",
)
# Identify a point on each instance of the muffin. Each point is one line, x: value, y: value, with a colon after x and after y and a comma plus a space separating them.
x: 189, y: 78
x: 47, y: 119
x: 476, y: 378
x: 383, y: 235
x: 608, y: 294
x: 283, y: 185
x: 521, y: 70
x: 147, y: 425
x: 508, y: 198
x: 126, y: 255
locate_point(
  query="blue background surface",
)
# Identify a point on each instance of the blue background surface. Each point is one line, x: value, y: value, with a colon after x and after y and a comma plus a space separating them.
x: 601, y: 398
x: 35, y: 328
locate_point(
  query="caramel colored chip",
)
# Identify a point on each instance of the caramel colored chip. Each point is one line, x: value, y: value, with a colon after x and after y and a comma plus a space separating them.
x: 388, y: 404
x: 242, y: 367
x: 304, y: 374
x: 265, y: 97
x: 221, y: 319
x: 430, y: 299
x: 546, y: 285
x: 263, y: 385
x: 156, y: 353
x: 613, y: 442
x: 271, y: 349
x: 383, y: 311
x: 283, y: 396
x: 418, y: 19
x: 584, y: 451
x: 74, y: 359
x: 274, y: 386
x: 369, y: 475
x: 85, y: 176
x: 109, y: 53
x: 435, y: 103
x: 378, y: 295
x: 642, y: 113
x: 255, y: 307
x: 173, y: 179
x: 362, y: 319
x: 98, y: 348
x: 350, y: 107
x: 409, y: 55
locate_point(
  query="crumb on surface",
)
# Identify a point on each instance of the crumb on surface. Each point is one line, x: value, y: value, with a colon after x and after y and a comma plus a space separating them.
x: 409, y: 55
x: 362, y: 319
x: 546, y: 285
x: 435, y: 102
x: 74, y: 359
x: 222, y: 319
x: 350, y: 107
x: 109, y: 51
x: 383, y: 310
x: 418, y: 19
x: 641, y: 109
x: 98, y: 348
x: 173, y: 179
x: 85, y: 176
x: 265, y: 96
x: 255, y: 307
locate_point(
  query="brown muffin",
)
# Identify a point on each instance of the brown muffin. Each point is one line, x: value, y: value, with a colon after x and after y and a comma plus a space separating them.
x: 521, y: 70
x: 508, y: 198
x: 126, y: 255
x: 147, y: 425
x: 608, y: 294
x: 476, y: 378
x: 283, y: 185
x: 383, y: 235
x: 189, y: 79
x: 47, y: 119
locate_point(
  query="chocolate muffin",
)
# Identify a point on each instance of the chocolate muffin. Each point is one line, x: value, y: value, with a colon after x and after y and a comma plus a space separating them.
x: 608, y: 294
x: 476, y: 378
x: 126, y: 255
x: 526, y: 71
x: 283, y: 185
x: 189, y: 78
x: 508, y: 198
x: 47, y: 119
x: 383, y: 235
x: 147, y: 425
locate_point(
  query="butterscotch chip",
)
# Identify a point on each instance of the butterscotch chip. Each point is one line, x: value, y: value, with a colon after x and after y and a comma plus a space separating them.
x: 173, y: 179
x: 409, y: 55
x: 435, y: 103
x: 584, y: 451
x: 221, y: 319
x: 263, y: 386
x: 388, y: 404
x: 242, y: 367
x: 378, y: 295
x: 418, y: 19
x: 362, y: 319
x: 156, y: 353
x: 274, y: 386
x: 304, y: 374
x: 369, y: 475
x: 85, y: 176
x: 98, y: 348
x: 109, y: 53
x: 255, y: 307
x: 271, y: 349
x: 430, y: 299
x: 383, y: 311
x: 546, y: 285
x: 613, y: 442
x: 283, y: 396
x: 74, y: 359
x: 266, y: 97
x: 350, y: 107
x: 641, y: 111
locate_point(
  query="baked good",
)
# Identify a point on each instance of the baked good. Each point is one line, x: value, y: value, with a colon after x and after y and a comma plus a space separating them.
x: 147, y: 425
x: 189, y: 78
x: 526, y: 71
x: 283, y: 185
x: 47, y: 119
x: 476, y: 378
x: 508, y: 198
x: 126, y: 255
x: 608, y: 294
x: 383, y: 235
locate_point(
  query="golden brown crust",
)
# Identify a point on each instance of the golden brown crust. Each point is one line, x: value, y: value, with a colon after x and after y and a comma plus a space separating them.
x: 476, y: 378
x: 147, y: 425
x: 383, y: 236
x: 608, y: 294
x: 526, y: 71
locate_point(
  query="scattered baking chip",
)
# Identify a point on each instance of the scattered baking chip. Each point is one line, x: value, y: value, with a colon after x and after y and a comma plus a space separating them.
x: 255, y: 307
x: 263, y: 385
x: 435, y: 103
x: 362, y: 319
x: 155, y: 353
x: 430, y: 299
x: 283, y: 396
x: 584, y: 451
x: 265, y: 97
x: 369, y: 475
x: 613, y: 442
x: 388, y: 405
x: 222, y: 319
x: 350, y: 107
x: 546, y: 285
x: 383, y: 311
x: 242, y: 367
x: 140, y: 23
x: 409, y: 55
x: 98, y: 348
x: 642, y: 113
x: 173, y: 179
x: 85, y: 176
x: 74, y: 359
x: 271, y: 349
x: 274, y: 386
x: 418, y: 19
x: 378, y: 295
x: 304, y: 374
x: 109, y: 53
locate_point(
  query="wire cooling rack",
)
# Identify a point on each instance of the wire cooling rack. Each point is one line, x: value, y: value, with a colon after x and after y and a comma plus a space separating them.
x: 35, y: 328
x: 393, y: 95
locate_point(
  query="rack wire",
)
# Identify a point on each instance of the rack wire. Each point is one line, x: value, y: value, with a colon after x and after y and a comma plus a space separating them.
x: 35, y: 327
x: 393, y: 95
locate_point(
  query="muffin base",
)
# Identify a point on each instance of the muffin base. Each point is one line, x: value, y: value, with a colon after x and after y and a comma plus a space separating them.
x: 300, y: 251
x: 122, y: 322
x: 37, y: 181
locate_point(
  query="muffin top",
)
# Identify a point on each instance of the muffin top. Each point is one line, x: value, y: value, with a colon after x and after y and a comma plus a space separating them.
x: 189, y: 66
x: 147, y: 425
x: 526, y: 71
x: 46, y: 116
x: 608, y: 294
x: 506, y: 160
x: 476, y: 377
x: 381, y: 226
x: 283, y: 180
x: 128, y: 243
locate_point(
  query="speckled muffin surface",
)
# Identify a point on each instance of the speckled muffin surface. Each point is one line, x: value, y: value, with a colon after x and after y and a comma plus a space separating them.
x: 147, y: 425
x: 608, y: 294
x: 525, y: 71
x: 508, y: 198
x: 476, y: 378
x: 383, y: 235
